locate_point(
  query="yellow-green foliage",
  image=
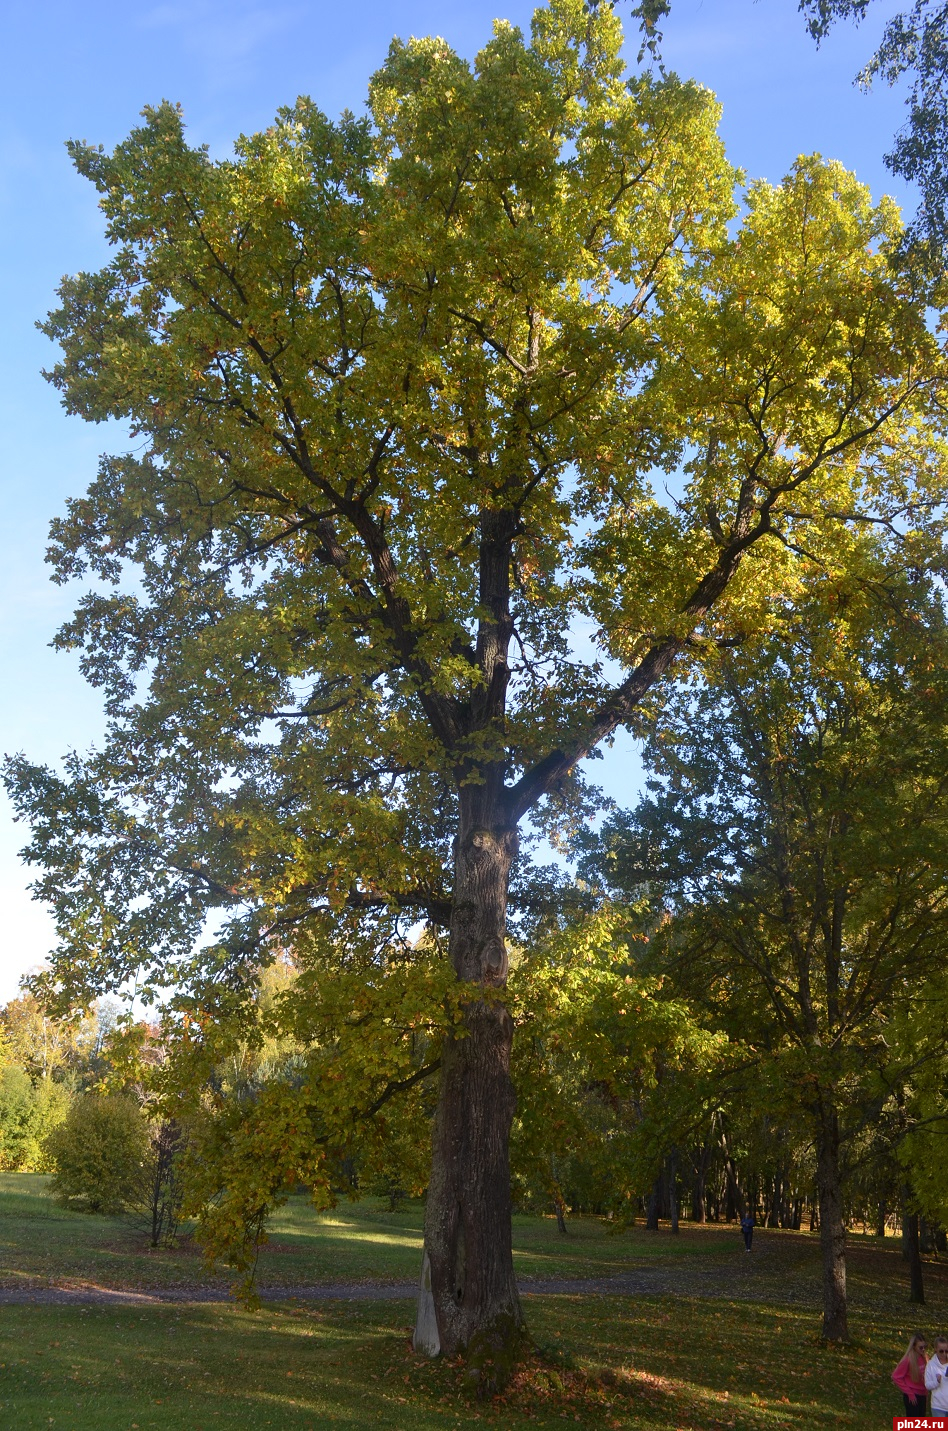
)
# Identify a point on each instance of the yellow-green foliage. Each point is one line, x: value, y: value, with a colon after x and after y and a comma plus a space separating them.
x: 99, y: 1152
x: 606, y: 1060
x: 28, y: 1113
x: 323, y: 1077
x: 515, y: 298
x: 42, y: 1044
x: 522, y: 286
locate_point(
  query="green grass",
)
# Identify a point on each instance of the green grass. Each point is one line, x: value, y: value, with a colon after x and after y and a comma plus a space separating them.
x: 750, y: 1361
x: 652, y: 1363
x: 356, y: 1242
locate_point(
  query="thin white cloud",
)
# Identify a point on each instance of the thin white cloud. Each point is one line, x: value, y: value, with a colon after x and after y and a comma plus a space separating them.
x: 224, y: 38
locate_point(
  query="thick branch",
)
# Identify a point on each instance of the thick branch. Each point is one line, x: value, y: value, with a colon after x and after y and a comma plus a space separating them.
x: 436, y: 907
x: 752, y: 520
x: 399, y: 1086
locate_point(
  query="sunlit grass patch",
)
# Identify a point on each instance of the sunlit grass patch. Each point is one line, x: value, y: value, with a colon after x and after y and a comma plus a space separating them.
x: 701, y: 1365
x: 656, y: 1363
x: 360, y: 1241
x: 749, y: 1360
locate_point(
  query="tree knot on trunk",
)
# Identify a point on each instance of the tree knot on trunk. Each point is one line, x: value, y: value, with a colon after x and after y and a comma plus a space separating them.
x: 485, y: 844
x: 495, y: 961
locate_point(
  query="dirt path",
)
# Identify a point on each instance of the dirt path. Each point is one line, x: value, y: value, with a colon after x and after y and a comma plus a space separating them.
x: 777, y: 1272
x: 757, y: 1283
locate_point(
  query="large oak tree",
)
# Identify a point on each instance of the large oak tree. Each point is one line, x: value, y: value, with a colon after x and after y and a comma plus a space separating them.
x: 391, y: 548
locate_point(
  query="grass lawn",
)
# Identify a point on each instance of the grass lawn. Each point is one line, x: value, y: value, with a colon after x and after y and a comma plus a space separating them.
x: 749, y: 1360
x: 656, y: 1363
x: 356, y: 1242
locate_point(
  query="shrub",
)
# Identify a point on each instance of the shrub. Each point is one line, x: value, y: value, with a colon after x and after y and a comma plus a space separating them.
x: 28, y: 1114
x: 100, y: 1153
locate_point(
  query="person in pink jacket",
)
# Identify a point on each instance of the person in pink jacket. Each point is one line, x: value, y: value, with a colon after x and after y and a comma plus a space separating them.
x: 909, y: 1375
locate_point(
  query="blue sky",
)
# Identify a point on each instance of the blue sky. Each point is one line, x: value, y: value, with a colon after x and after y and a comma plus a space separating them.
x: 85, y: 71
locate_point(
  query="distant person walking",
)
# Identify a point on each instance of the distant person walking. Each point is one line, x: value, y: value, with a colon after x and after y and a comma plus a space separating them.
x: 936, y: 1377
x: 747, y: 1228
x: 909, y: 1376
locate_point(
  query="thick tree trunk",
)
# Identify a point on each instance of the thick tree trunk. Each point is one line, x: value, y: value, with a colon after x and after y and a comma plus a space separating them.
x: 912, y: 1250
x: 468, y: 1299
x: 832, y: 1229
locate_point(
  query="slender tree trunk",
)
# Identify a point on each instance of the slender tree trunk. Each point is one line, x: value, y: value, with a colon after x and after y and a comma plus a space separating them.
x: 673, y: 1190
x: 699, y: 1207
x: 832, y: 1229
x: 468, y: 1299
x: 912, y: 1250
x: 654, y: 1205
x: 559, y: 1206
x: 880, y: 1218
x: 735, y: 1198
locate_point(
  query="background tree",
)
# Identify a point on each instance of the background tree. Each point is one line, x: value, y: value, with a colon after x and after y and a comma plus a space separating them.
x: 798, y: 823
x: 399, y: 388
x: 162, y: 1188
x: 28, y: 1113
x: 920, y: 1120
x: 914, y: 45
x: 611, y: 1070
x: 45, y: 1044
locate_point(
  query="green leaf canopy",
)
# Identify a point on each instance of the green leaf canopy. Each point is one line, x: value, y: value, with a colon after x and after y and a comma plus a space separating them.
x: 408, y: 396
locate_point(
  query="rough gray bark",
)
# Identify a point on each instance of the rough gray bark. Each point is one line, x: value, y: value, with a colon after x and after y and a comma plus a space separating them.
x: 467, y: 1222
x: 734, y: 1201
x: 559, y: 1206
x: 473, y: 1289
